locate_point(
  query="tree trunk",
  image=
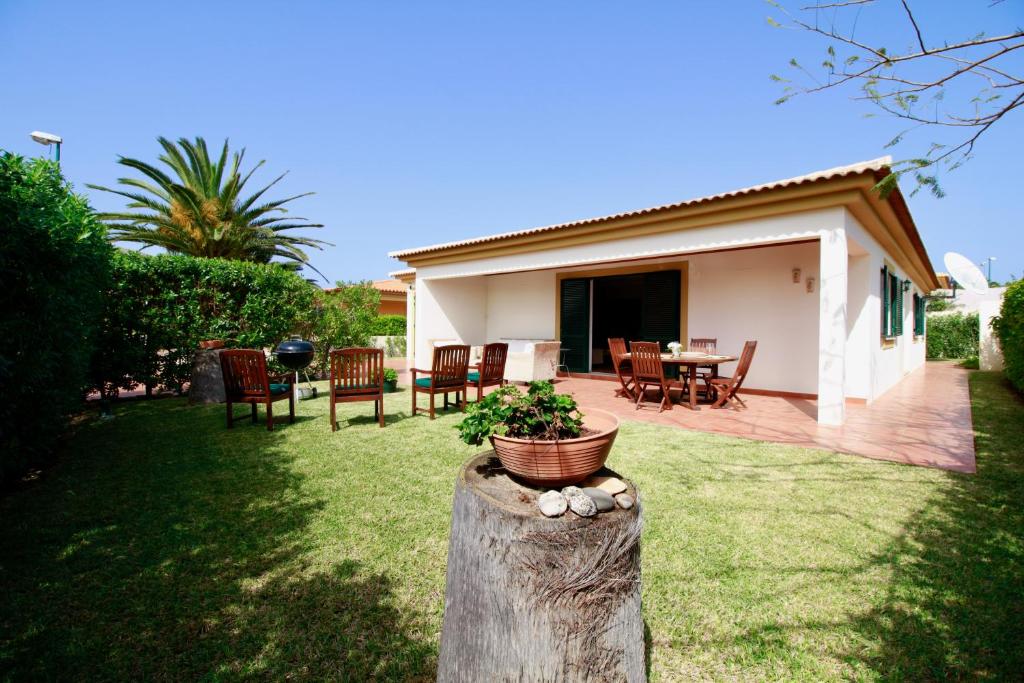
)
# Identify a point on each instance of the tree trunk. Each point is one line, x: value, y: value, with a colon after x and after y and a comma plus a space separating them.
x: 207, y: 383
x: 529, y: 598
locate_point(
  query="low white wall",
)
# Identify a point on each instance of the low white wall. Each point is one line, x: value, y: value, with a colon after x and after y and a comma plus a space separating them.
x: 737, y: 296
x: 990, y: 356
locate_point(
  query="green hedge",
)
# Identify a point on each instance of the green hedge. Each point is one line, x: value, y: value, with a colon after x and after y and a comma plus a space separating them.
x: 1009, y: 329
x: 389, y: 326
x: 952, y: 335
x: 54, y: 264
x: 161, y: 307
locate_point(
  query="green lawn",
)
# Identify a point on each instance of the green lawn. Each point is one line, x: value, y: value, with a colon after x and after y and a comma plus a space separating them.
x: 163, y: 546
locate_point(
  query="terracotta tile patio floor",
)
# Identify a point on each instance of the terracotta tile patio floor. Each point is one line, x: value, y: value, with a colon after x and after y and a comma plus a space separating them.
x: 924, y: 420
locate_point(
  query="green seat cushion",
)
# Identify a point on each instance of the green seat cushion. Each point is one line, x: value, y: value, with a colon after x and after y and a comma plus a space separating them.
x: 473, y: 377
x: 423, y: 382
x: 278, y: 388
x: 357, y: 387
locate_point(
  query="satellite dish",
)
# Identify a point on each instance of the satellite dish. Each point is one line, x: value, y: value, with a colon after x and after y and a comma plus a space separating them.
x: 966, y: 274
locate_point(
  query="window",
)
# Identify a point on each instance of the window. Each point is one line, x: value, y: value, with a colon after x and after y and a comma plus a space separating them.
x: 919, y: 314
x: 892, y: 304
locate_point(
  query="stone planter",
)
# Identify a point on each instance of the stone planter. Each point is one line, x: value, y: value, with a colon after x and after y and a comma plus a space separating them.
x: 559, y: 463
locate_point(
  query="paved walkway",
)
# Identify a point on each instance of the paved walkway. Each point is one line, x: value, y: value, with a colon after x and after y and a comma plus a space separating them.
x: 924, y: 420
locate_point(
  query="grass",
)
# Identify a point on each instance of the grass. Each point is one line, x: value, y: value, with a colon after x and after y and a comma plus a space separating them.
x: 165, y: 547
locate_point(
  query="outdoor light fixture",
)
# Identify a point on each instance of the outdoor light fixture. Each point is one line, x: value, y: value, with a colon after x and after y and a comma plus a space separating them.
x: 906, y: 285
x: 810, y: 285
x: 796, y: 275
x: 47, y: 139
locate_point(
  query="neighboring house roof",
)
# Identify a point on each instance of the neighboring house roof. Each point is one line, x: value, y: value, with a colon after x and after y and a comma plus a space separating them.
x: 390, y: 286
x: 872, y: 171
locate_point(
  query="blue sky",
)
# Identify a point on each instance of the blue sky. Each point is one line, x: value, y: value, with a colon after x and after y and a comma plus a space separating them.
x: 418, y: 123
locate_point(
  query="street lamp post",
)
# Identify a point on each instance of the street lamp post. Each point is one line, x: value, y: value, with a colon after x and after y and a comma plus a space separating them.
x: 47, y: 139
x: 988, y: 261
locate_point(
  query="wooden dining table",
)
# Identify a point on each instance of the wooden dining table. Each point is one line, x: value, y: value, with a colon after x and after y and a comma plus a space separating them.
x: 692, y: 361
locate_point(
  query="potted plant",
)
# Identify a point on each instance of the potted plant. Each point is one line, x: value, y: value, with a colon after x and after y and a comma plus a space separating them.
x: 390, y: 380
x: 541, y: 437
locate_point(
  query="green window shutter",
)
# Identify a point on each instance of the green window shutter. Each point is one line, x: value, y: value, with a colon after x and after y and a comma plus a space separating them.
x: 575, y: 323
x: 898, y: 308
x: 886, y: 317
x: 659, y: 314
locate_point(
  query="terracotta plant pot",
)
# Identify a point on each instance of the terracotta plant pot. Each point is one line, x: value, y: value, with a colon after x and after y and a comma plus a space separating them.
x: 559, y: 463
x: 212, y: 344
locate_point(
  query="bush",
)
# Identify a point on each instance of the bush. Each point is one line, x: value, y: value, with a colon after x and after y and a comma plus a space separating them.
x: 389, y: 326
x: 1009, y: 329
x: 342, y: 317
x: 161, y: 307
x: 539, y: 414
x: 953, y: 335
x: 54, y: 265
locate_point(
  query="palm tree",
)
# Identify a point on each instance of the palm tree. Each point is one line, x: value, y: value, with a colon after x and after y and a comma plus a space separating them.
x: 201, y: 210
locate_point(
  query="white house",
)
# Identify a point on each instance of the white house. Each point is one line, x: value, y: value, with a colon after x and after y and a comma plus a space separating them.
x: 823, y: 272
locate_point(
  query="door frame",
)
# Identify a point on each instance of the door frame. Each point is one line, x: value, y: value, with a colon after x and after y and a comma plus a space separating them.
x: 682, y: 265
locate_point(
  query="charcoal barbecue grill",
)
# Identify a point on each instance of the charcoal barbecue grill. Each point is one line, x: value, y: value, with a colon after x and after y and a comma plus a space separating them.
x: 296, y: 354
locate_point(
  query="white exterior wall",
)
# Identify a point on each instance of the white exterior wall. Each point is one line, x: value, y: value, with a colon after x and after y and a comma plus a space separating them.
x: 873, y: 367
x: 449, y: 310
x: 735, y: 296
x: 521, y: 306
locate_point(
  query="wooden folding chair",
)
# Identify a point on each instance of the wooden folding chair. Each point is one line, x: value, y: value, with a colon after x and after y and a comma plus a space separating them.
x: 726, y: 388
x: 649, y: 371
x: 708, y: 345
x: 447, y: 373
x: 357, y: 374
x: 623, y: 367
x: 246, y: 381
x: 491, y: 370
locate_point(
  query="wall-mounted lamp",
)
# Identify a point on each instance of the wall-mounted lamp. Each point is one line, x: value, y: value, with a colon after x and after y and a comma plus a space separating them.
x: 796, y: 275
x: 810, y: 285
x: 906, y: 285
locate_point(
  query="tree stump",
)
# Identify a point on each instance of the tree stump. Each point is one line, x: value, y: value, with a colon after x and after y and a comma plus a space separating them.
x: 207, y: 383
x: 528, y: 598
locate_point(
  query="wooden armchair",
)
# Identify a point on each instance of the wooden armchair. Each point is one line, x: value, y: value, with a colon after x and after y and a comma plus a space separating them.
x: 725, y: 388
x: 357, y: 374
x: 447, y: 373
x: 246, y: 381
x: 491, y: 370
x: 649, y: 371
x: 623, y: 367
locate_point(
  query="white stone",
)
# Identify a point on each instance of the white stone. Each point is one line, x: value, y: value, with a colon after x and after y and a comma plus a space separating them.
x: 625, y: 501
x: 552, y: 504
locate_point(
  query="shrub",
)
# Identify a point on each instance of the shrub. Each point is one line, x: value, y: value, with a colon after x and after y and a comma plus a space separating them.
x: 54, y: 261
x: 952, y: 335
x: 935, y: 305
x: 1009, y: 329
x: 340, y: 318
x: 389, y: 326
x: 539, y: 414
x: 161, y: 307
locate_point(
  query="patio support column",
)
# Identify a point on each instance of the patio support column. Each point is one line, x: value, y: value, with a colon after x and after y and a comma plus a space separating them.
x: 832, y: 271
x: 410, y: 325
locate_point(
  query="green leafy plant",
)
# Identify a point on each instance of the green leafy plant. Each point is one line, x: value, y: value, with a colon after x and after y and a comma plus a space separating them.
x: 952, y: 335
x: 389, y: 326
x: 54, y: 268
x: 341, y: 317
x: 390, y: 375
x: 158, y: 309
x: 199, y: 208
x: 539, y: 414
x: 1009, y: 329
